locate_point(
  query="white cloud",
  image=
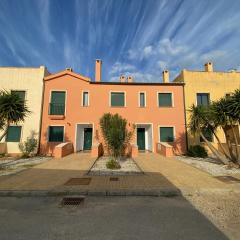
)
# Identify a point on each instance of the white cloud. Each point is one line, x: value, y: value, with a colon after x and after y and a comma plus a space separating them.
x: 147, y: 51
x: 119, y: 68
x: 162, y: 64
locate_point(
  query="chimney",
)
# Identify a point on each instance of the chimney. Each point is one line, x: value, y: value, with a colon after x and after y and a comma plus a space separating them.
x: 165, y: 76
x: 69, y: 69
x: 208, y: 67
x: 122, y: 79
x: 98, y: 70
x: 130, y: 79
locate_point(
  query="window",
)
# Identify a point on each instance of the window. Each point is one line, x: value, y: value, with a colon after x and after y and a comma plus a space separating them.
x: 203, y: 99
x: 142, y: 102
x: 85, y: 99
x: 13, y: 134
x: 117, y: 99
x: 57, y: 105
x: 207, y: 134
x: 166, y: 134
x: 56, y: 134
x: 21, y: 94
x: 165, y: 99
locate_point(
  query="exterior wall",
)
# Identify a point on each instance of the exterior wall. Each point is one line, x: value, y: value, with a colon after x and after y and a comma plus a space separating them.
x: 215, y: 83
x: 31, y: 81
x: 99, y: 95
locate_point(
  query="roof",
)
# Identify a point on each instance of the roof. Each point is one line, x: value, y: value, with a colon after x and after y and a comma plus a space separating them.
x: 66, y: 72
x: 139, y: 83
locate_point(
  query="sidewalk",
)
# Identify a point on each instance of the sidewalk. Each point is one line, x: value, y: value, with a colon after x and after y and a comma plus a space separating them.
x: 162, y: 176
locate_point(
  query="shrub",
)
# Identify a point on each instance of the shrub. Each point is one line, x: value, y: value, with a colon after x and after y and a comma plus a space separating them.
x: 116, y: 134
x: 29, y: 146
x: 113, y: 164
x: 197, y: 151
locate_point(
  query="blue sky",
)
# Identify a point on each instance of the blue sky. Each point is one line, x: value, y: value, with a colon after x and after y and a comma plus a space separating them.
x: 132, y: 37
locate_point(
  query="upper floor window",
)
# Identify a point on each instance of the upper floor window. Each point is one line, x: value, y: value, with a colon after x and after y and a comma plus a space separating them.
x: 85, y: 99
x: 142, y: 99
x: 13, y: 134
x: 21, y: 94
x: 166, y: 134
x: 56, y: 134
x: 165, y: 100
x: 57, y: 104
x: 203, y: 99
x: 117, y: 99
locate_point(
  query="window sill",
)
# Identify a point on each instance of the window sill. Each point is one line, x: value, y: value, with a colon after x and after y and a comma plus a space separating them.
x: 117, y: 106
x: 56, y: 117
x: 165, y: 106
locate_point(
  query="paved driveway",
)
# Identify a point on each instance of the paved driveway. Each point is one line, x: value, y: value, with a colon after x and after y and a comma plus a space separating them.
x: 160, y: 172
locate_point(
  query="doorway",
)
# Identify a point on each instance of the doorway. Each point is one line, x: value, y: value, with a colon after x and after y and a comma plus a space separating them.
x: 84, y: 136
x: 87, y: 143
x: 141, y: 139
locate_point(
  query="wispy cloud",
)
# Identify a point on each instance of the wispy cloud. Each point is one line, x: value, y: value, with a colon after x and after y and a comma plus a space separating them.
x: 134, y: 37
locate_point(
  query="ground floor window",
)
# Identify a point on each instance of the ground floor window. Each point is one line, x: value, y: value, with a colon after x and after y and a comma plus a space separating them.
x: 56, y: 134
x: 207, y: 133
x: 166, y: 134
x: 13, y: 134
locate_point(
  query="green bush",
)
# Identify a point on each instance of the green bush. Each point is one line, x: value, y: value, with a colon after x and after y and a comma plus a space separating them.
x: 113, y: 164
x: 197, y: 151
x: 29, y: 146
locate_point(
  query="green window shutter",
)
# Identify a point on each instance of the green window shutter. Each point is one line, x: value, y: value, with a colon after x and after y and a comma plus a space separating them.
x: 207, y: 134
x: 57, y: 105
x: 56, y: 133
x: 117, y: 99
x: 85, y: 99
x: 165, y: 100
x: 13, y: 134
x: 142, y: 99
x: 166, y: 134
x: 21, y: 94
x: 203, y: 99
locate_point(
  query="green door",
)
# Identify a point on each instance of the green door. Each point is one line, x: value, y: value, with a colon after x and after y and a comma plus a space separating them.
x: 87, y: 145
x: 141, y: 138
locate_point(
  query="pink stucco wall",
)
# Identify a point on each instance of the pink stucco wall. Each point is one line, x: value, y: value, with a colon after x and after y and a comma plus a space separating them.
x: 99, y: 98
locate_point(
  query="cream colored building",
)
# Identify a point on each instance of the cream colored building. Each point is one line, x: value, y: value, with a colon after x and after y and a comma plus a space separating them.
x: 28, y: 82
x: 207, y: 85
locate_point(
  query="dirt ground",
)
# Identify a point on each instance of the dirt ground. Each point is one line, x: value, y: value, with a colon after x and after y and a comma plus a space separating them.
x: 221, y: 209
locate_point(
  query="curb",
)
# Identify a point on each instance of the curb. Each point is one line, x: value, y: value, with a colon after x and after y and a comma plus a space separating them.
x: 164, y: 192
x: 97, y: 193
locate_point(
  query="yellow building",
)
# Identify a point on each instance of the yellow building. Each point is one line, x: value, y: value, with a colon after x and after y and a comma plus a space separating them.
x: 201, y: 87
x: 28, y: 83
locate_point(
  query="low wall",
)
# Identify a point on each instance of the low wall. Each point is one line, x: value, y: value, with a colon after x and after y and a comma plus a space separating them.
x: 63, y: 149
x: 97, y: 150
x: 3, y: 148
x: 164, y: 149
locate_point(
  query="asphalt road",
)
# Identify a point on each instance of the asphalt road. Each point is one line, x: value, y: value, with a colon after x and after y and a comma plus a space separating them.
x: 99, y: 218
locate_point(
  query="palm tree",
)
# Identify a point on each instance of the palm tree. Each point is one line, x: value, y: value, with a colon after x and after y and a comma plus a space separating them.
x: 199, y: 120
x: 12, y: 110
x: 220, y: 118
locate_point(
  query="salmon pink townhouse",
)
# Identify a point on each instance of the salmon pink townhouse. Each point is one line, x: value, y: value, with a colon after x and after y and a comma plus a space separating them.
x: 73, y: 106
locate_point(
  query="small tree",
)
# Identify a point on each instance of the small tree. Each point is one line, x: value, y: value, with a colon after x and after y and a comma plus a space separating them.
x: 225, y: 114
x: 29, y: 146
x: 116, y: 134
x: 12, y: 110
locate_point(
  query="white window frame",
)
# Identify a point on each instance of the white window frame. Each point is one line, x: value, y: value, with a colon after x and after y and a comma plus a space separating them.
x: 139, y: 99
x: 85, y: 91
x: 125, y: 98
x: 172, y: 96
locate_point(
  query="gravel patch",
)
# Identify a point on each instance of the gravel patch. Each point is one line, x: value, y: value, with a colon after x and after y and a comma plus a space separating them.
x: 128, y: 167
x: 221, y: 209
x: 209, y: 165
x: 8, y: 167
